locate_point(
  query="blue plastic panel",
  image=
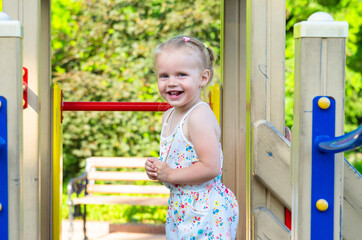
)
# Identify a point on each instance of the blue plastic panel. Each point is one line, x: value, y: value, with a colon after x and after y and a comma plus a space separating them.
x: 322, y: 172
x: 4, y: 219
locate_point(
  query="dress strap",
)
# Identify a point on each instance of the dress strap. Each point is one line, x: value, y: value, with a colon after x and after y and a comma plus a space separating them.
x: 190, y: 110
x: 166, y: 120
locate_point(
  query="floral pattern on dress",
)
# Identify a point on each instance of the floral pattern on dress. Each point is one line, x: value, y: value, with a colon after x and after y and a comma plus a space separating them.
x: 201, y: 211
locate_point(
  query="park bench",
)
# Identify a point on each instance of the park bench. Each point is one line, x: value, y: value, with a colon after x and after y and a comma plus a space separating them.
x: 113, y: 180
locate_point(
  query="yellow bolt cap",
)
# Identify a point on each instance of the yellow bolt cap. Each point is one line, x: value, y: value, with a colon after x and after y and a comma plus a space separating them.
x: 1, y: 207
x: 324, y: 102
x: 322, y: 205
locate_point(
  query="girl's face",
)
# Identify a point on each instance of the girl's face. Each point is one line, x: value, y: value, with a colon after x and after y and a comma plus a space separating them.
x: 180, y: 77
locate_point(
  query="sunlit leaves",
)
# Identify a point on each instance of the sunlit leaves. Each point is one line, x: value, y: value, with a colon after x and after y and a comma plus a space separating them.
x: 103, y: 51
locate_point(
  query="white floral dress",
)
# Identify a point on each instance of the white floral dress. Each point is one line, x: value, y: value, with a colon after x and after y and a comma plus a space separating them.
x: 203, y: 211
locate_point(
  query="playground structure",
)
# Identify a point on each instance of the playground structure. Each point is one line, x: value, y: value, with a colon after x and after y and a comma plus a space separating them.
x: 266, y: 172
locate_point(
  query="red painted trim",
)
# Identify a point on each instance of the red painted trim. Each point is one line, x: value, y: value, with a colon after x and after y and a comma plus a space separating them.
x: 288, y: 218
x: 116, y: 106
x: 25, y: 87
x: 287, y: 212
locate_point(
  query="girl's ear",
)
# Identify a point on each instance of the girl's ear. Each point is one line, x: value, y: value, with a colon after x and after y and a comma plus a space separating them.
x: 205, y: 77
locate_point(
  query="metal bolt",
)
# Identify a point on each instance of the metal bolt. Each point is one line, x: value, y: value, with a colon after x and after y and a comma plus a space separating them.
x: 324, y: 103
x: 322, y: 205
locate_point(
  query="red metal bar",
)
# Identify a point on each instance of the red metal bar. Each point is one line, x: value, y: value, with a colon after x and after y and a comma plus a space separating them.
x: 116, y: 106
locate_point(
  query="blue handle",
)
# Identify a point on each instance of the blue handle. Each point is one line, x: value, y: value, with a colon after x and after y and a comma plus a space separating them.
x: 342, y: 143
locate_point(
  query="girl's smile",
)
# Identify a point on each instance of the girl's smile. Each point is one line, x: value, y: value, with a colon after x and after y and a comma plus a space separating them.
x: 174, y: 94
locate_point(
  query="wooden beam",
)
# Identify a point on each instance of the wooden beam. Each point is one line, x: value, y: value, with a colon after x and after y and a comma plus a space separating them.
x: 142, y: 201
x: 235, y: 128
x: 352, y: 204
x: 116, y: 162
x: 128, y: 189
x: 267, y: 87
x: 272, y: 160
x: 268, y: 227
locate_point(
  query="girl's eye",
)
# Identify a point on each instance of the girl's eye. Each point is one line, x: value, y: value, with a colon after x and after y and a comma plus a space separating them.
x: 182, y: 75
x: 163, y: 76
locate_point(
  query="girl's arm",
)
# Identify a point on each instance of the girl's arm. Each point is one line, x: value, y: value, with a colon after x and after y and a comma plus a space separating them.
x: 204, y: 131
x: 149, y: 164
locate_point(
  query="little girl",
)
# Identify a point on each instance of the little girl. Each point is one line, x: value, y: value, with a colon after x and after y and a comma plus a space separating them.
x: 190, y: 163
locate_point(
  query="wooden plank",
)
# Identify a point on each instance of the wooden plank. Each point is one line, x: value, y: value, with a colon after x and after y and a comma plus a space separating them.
x: 267, y: 57
x: 352, y: 221
x: 45, y: 120
x: 127, y: 189
x: 272, y: 160
x: 267, y: 226
x: 352, y: 204
x: 138, y: 201
x: 139, y: 228
x: 11, y: 89
x: 116, y: 162
x: 353, y: 188
x: 235, y: 124
x: 118, y: 176
x: 267, y: 61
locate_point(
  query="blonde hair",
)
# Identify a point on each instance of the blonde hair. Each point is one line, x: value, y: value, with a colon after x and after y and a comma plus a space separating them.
x: 205, y: 54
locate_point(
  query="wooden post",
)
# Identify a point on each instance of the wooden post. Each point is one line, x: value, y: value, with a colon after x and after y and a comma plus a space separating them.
x: 35, y: 17
x: 267, y: 87
x: 11, y: 37
x: 253, y: 89
x: 319, y: 71
x: 234, y: 109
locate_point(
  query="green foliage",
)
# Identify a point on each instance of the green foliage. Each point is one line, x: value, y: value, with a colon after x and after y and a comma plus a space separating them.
x: 103, y: 51
x: 358, y: 165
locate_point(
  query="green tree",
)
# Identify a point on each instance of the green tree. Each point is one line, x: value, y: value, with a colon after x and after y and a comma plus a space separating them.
x: 103, y: 51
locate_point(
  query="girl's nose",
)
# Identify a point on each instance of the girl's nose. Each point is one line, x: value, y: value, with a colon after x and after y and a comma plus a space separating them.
x: 172, y: 81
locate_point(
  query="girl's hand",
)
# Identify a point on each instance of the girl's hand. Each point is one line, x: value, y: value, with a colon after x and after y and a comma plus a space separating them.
x: 150, y: 168
x: 163, y: 171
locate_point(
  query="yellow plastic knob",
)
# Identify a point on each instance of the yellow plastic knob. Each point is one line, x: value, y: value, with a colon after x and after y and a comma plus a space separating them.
x: 324, y: 102
x: 322, y: 205
x: 24, y: 102
x: 1, y: 207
